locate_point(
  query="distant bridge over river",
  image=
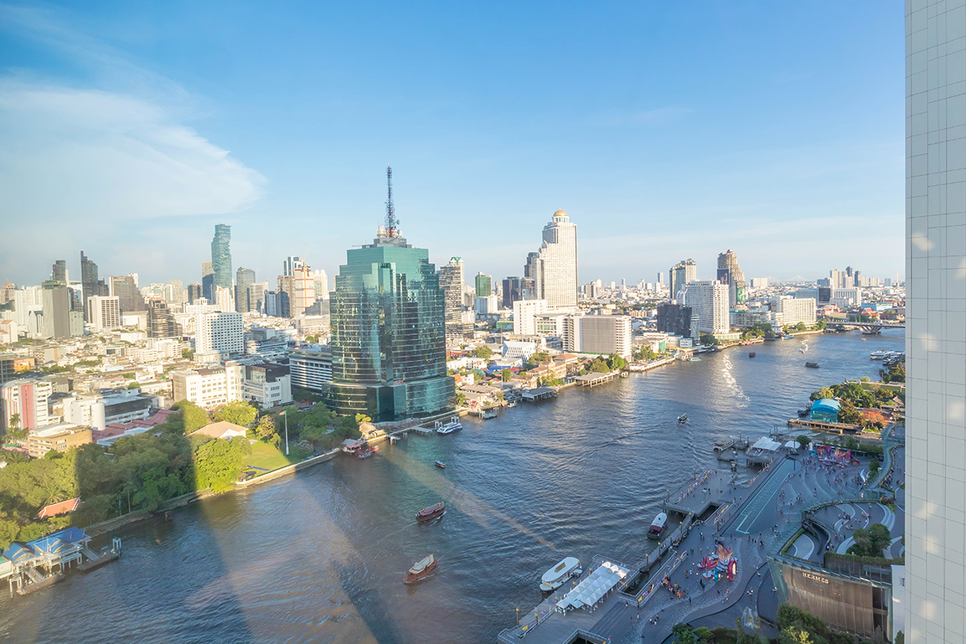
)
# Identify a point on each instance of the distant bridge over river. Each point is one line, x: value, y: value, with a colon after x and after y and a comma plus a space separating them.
x: 868, y: 328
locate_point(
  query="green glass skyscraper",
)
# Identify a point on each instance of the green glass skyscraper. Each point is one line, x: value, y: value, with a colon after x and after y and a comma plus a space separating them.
x: 388, y: 337
x: 221, y: 256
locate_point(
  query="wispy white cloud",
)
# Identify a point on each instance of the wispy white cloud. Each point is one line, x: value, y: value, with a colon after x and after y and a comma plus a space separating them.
x: 70, y: 152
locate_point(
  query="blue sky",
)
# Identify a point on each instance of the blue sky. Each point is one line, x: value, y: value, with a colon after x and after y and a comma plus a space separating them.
x: 666, y: 130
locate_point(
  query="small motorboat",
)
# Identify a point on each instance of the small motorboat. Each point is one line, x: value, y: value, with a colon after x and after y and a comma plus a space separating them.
x: 559, y: 574
x: 440, y: 464
x: 367, y: 452
x: 421, y: 569
x: 751, y: 354
x: 431, y: 512
x: 657, y: 526
x: 683, y: 418
x: 811, y: 365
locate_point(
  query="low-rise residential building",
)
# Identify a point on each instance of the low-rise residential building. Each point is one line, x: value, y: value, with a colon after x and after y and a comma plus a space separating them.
x: 117, y: 406
x: 209, y: 387
x: 60, y: 437
x: 267, y: 384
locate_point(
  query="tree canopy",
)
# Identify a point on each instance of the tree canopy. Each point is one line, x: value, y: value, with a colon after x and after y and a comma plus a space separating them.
x: 238, y: 412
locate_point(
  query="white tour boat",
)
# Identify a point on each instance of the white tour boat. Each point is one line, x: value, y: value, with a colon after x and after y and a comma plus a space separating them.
x: 452, y: 426
x: 559, y: 574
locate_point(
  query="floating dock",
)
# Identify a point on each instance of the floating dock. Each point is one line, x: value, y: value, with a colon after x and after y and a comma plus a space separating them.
x: 540, y: 393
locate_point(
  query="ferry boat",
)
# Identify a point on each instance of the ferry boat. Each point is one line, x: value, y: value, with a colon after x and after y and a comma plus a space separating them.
x: 879, y: 355
x: 440, y: 464
x: 430, y: 513
x: 559, y: 574
x: 488, y: 413
x: 657, y: 526
x: 452, y: 426
x: 723, y: 443
x: 787, y: 336
x: 421, y: 569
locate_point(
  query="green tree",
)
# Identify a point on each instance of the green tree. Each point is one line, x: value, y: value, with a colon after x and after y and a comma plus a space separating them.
x: 873, y: 467
x: 218, y: 463
x: 794, y: 635
x: 238, y: 412
x: 507, y: 374
x: 14, y: 421
x: 848, y: 413
x: 824, y: 393
x: 194, y: 416
x: 682, y: 633
x: 8, y: 532
x: 870, y: 542
x: 266, y: 427
x: 134, y: 385
x: 187, y: 354
x: 708, y: 340
x: 804, y: 441
x: 483, y: 352
x: 460, y: 399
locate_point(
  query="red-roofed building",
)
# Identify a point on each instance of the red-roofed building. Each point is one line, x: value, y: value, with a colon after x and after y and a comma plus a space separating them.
x: 63, y: 507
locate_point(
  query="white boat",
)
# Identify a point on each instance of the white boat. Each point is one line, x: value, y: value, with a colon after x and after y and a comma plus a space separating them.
x: 657, y: 526
x: 879, y: 355
x: 452, y: 426
x: 559, y: 574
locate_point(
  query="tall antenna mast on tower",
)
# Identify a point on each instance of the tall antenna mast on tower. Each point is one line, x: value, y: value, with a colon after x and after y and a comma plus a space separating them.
x: 392, y: 224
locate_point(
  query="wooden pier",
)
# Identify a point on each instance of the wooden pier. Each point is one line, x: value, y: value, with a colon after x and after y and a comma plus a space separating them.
x: 595, y: 379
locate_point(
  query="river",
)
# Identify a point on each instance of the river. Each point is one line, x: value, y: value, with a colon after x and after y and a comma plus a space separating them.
x: 320, y: 556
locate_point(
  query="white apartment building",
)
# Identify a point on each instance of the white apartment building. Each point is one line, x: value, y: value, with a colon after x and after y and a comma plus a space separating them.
x: 105, y: 312
x: 209, y: 387
x: 486, y: 305
x: 794, y: 310
x: 935, y: 475
x: 311, y: 369
x: 223, y: 333
x: 524, y: 314
x: 709, y: 301
x: 27, y: 399
x: 100, y: 410
x: 604, y: 334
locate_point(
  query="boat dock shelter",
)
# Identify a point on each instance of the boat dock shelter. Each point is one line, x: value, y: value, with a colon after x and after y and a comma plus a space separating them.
x: 42, y: 562
x: 539, y: 393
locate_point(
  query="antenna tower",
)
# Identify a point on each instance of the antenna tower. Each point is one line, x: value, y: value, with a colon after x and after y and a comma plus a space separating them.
x: 392, y: 224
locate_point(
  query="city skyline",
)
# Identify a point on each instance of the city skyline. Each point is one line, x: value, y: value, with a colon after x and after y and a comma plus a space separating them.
x: 771, y: 181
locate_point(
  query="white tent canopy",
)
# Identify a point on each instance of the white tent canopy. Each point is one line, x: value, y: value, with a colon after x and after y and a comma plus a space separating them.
x: 593, y: 587
x: 766, y: 444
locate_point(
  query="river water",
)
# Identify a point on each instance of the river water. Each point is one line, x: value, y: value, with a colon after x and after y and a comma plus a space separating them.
x: 320, y: 556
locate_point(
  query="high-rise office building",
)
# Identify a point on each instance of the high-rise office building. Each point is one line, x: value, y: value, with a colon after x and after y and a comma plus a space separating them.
x: 935, y: 602
x: 194, y: 292
x: 388, y: 332
x: 730, y: 273
x: 57, y: 309
x: 208, y: 280
x: 244, y: 278
x: 554, y: 267
x: 680, y: 275
x: 126, y: 290
x: 88, y: 284
x: 512, y: 291
x: 27, y: 399
x: 7, y: 291
x: 177, y: 293
x: 320, y: 282
x: 161, y: 323
x: 58, y: 272
x: 709, y: 302
x: 451, y: 281
x: 256, y: 296
x: 484, y: 285
x: 105, y: 312
x: 298, y: 285
x: 221, y: 256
